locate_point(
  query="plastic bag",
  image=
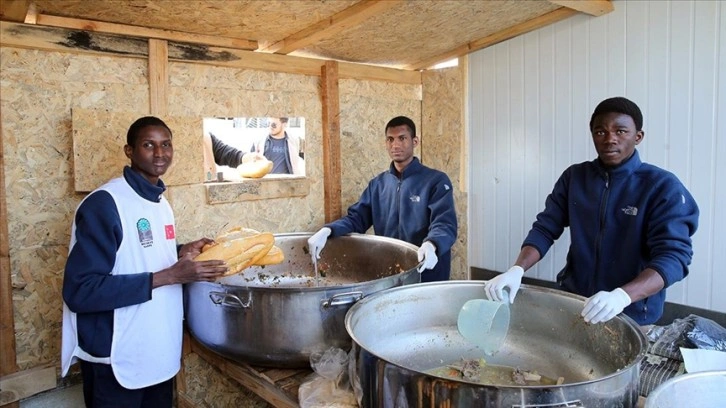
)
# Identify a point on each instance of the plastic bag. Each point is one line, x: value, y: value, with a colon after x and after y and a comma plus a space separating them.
x: 328, y: 386
x: 689, y: 332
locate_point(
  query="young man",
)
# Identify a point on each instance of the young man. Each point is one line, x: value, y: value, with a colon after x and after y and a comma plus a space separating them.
x: 630, y: 222
x: 281, y: 149
x: 122, y: 310
x: 410, y: 202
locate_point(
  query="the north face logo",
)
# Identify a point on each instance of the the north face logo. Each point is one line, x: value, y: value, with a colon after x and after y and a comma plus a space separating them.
x: 630, y: 210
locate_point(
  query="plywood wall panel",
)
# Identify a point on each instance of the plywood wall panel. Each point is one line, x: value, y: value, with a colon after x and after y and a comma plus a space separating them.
x: 99, y: 137
x: 37, y: 92
x: 442, y: 147
x: 222, y: 392
x: 365, y: 108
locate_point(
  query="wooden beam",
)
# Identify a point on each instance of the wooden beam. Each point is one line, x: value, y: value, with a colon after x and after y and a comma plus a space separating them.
x: 350, y: 17
x: 511, y: 32
x: 23, y: 384
x: 64, y: 40
x: 14, y: 10
x: 592, y: 7
x: 158, y: 77
x: 331, y: 142
x: 143, y: 32
x: 8, y: 362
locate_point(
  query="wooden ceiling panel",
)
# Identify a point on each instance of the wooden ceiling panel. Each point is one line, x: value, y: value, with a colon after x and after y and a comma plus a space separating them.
x: 261, y: 20
x: 418, y: 30
x: 406, y: 34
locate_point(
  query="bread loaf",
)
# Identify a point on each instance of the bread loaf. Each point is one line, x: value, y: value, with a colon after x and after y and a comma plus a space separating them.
x: 274, y: 257
x: 267, y: 255
x: 239, y: 253
x: 255, y: 169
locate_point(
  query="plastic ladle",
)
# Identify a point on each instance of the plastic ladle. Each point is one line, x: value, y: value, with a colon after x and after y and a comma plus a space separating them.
x: 484, y: 323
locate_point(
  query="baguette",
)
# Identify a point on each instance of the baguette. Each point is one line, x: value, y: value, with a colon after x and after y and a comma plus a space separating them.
x: 255, y: 169
x: 238, y: 253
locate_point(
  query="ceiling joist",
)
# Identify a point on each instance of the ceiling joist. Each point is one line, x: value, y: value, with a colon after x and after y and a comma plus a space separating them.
x: 350, y: 17
x: 511, y: 32
x: 136, y: 31
x: 592, y: 7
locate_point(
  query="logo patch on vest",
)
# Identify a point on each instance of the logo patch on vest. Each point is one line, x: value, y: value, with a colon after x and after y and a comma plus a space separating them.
x: 414, y: 198
x: 169, y: 229
x: 630, y: 210
x: 146, y: 238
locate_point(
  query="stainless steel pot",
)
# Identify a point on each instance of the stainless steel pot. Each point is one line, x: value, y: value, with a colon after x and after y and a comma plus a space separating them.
x: 705, y: 389
x: 400, y: 334
x: 277, y: 316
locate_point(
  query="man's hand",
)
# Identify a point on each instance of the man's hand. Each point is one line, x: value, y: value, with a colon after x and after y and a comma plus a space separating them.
x: 194, y: 248
x: 603, y: 306
x: 317, y: 242
x: 187, y: 270
x: 427, y: 254
x: 511, y: 279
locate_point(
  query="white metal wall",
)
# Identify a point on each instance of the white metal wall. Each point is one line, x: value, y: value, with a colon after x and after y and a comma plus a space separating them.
x: 530, y: 101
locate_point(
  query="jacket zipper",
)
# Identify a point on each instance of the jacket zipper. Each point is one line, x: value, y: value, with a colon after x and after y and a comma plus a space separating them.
x: 598, y: 243
x: 398, y: 207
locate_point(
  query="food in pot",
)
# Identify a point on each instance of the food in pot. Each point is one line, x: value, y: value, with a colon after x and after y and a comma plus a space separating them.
x: 242, y: 247
x: 478, y: 371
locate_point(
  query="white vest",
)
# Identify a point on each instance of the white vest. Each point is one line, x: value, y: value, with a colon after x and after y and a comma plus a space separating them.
x: 146, y: 343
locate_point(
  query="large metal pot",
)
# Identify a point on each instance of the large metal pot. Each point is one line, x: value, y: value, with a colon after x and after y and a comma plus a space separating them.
x: 705, y: 389
x: 277, y: 316
x: 400, y: 334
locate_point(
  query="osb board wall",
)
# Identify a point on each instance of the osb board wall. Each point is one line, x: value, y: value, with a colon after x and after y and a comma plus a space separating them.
x: 99, y: 137
x: 37, y: 92
x: 207, y: 91
x: 365, y: 109
x: 220, y: 392
x: 443, y: 148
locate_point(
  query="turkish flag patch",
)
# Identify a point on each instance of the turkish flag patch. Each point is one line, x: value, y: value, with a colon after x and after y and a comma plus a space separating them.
x: 169, y: 231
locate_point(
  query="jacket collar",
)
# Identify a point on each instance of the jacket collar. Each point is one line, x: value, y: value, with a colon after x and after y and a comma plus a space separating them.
x: 622, y: 170
x: 412, y: 168
x: 142, y: 186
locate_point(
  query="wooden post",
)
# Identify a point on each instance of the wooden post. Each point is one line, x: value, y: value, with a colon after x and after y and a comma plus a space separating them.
x: 8, y: 363
x: 331, y: 141
x: 158, y: 77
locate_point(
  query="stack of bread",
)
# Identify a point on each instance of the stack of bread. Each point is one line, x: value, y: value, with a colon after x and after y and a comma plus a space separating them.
x: 241, y: 248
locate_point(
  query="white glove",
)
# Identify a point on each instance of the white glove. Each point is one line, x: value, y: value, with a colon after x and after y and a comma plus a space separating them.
x: 603, y: 305
x: 511, y: 279
x: 317, y: 242
x: 427, y: 254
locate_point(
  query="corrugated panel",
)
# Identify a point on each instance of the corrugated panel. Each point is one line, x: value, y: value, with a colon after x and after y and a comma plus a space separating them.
x: 530, y: 103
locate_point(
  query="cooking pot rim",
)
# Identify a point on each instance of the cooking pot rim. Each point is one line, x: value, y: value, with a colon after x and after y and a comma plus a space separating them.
x: 314, y: 289
x: 630, y: 323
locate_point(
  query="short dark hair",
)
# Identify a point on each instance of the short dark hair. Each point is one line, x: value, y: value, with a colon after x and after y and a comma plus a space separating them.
x: 402, y: 121
x: 141, y: 123
x: 620, y: 105
x: 283, y: 120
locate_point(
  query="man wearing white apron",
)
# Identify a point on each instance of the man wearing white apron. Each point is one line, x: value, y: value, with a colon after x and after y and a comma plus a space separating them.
x: 122, y: 310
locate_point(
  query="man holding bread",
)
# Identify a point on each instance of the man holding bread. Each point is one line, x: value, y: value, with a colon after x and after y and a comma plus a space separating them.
x: 409, y: 201
x: 122, y: 310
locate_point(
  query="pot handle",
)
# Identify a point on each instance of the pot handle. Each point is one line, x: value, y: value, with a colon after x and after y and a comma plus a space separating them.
x: 341, y: 299
x: 223, y: 299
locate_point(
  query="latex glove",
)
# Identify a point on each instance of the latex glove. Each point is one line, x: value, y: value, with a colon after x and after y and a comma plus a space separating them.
x: 317, y: 242
x: 427, y: 254
x: 511, y: 279
x: 603, y: 305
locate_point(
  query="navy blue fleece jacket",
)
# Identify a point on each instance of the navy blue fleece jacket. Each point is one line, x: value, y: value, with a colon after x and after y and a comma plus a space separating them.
x: 417, y: 207
x: 622, y: 220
